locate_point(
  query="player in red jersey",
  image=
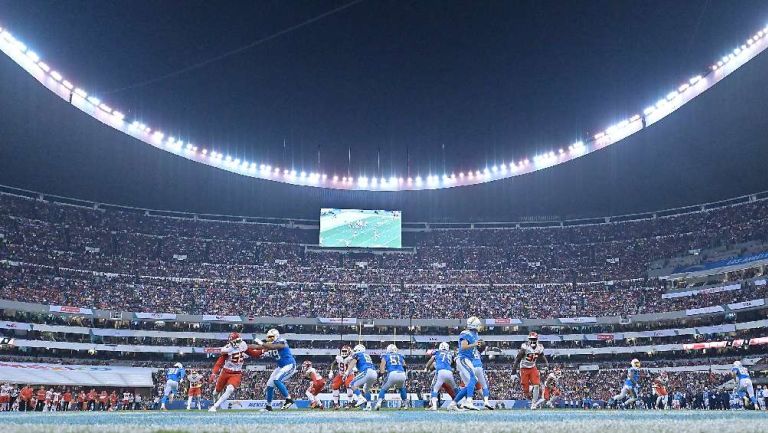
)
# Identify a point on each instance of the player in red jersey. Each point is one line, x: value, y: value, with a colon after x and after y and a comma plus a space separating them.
x: 229, y: 367
x: 316, y: 386
x: 660, y: 391
x: 526, y: 358
x: 340, y: 379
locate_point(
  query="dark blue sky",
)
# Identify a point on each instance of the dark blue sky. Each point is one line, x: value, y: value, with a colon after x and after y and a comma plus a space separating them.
x: 489, y: 80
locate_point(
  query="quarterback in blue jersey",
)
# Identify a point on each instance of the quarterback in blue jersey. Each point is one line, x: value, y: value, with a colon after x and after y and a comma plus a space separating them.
x: 469, y: 341
x: 631, y: 386
x: 173, y: 377
x: 743, y: 383
x: 278, y: 349
x: 442, y: 361
x: 364, y: 379
x: 393, y: 365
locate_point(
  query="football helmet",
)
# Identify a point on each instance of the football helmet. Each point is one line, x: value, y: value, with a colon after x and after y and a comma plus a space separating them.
x: 358, y: 349
x: 636, y: 363
x: 345, y: 351
x: 391, y: 348
x: 444, y: 346
x: 474, y: 323
x: 272, y: 335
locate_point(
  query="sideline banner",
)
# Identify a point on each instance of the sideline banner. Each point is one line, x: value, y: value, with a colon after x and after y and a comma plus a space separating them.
x: 155, y: 316
x: 69, y: 310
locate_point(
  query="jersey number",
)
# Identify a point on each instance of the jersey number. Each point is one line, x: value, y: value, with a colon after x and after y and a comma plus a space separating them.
x: 237, y: 357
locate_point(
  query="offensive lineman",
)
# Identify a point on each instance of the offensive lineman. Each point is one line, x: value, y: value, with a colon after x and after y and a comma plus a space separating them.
x: 393, y: 364
x: 366, y: 375
x: 441, y: 360
x: 286, y: 367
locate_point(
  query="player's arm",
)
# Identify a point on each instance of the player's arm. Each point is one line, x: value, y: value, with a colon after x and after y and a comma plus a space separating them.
x: 518, y: 359
x: 466, y: 345
x: 349, y: 363
x: 331, y: 369
x: 382, y: 366
x: 270, y: 346
x: 545, y: 360
x: 218, y: 365
x: 254, y: 353
x: 430, y: 363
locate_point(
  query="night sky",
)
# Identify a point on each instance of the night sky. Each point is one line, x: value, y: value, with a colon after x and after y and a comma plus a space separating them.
x: 486, y: 81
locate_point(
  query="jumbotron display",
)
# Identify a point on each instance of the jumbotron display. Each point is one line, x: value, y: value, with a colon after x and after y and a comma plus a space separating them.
x: 356, y: 228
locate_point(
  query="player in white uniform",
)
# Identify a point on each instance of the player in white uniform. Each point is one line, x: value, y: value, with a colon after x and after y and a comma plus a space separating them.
x: 743, y: 383
x: 230, y: 365
x: 5, y: 397
x: 316, y: 384
x: 339, y: 378
x: 526, y: 358
x: 195, y: 390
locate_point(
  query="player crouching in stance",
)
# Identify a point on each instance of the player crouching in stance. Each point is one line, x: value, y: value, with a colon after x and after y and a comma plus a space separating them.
x: 660, y: 391
x: 173, y: 377
x: 530, y: 379
x: 316, y: 385
x: 278, y: 349
x: 340, y: 378
x: 195, y: 389
x: 393, y: 364
x: 743, y: 384
x: 469, y: 341
x: 232, y: 358
x: 631, y: 385
x: 551, y: 389
x: 366, y: 375
x: 441, y: 360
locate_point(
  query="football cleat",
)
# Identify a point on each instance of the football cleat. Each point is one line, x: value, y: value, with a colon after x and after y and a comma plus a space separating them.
x: 287, y: 403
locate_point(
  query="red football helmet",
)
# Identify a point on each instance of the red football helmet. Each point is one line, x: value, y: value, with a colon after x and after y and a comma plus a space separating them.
x: 306, y: 365
x: 345, y: 351
x: 533, y: 338
x: 234, y: 338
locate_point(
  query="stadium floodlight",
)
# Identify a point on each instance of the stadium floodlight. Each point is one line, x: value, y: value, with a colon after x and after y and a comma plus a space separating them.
x: 81, y: 93
x: 118, y: 115
x: 31, y: 55
x: 671, y: 95
x: 649, y: 110
x: 418, y: 180
x: 362, y: 181
x: 471, y: 175
x: 634, y: 118
x: 204, y: 152
x: 324, y: 177
x: 683, y: 87
x: 94, y: 100
x: 105, y: 107
x: 43, y: 66
x: 494, y: 168
x: 335, y: 178
x: 56, y: 75
x: 20, y: 46
x: 67, y: 84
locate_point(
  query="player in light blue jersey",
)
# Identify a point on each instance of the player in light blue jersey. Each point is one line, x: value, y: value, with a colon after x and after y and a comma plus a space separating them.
x: 743, y: 383
x: 173, y: 377
x: 393, y: 364
x: 442, y: 360
x: 469, y: 340
x: 278, y: 349
x: 631, y: 386
x: 364, y: 379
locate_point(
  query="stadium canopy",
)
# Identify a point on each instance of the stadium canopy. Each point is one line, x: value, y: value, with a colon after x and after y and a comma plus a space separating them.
x: 68, y: 89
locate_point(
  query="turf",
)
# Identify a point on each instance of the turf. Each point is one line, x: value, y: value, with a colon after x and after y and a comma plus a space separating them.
x: 390, y: 421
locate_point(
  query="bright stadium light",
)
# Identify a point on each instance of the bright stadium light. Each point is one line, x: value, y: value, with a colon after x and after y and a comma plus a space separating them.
x: 27, y: 59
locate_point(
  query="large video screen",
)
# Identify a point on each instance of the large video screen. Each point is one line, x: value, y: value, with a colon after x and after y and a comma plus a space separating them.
x: 350, y: 228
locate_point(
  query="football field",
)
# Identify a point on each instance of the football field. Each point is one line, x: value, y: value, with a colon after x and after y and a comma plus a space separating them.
x: 518, y: 421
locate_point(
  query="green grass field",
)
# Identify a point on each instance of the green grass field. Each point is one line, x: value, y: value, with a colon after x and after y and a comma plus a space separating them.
x: 295, y: 421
